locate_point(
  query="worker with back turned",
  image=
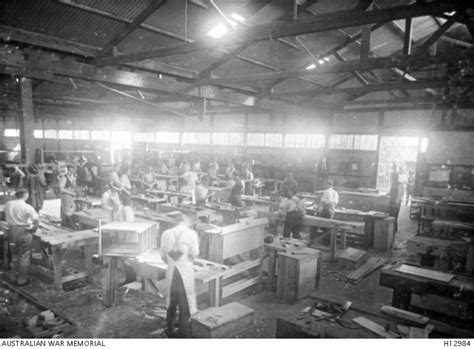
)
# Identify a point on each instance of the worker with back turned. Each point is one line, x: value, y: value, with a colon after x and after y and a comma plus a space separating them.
x: 23, y: 221
x: 179, y: 247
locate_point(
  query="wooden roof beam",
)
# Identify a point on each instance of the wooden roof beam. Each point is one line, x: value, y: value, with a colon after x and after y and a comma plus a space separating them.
x: 405, y: 85
x: 152, y: 7
x: 44, y: 66
x: 279, y: 29
x: 340, y: 67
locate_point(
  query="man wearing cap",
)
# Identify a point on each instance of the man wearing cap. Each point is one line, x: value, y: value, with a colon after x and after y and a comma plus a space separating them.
x: 23, y: 221
x: 179, y: 247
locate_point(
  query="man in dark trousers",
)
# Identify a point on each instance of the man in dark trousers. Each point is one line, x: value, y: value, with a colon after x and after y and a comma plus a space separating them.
x: 23, y: 221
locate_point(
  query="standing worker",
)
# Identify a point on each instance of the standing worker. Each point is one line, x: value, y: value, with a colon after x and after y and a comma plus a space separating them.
x: 23, y: 221
x: 294, y: 212
x: 35, y: 183
x: 111, y: 202
x: 329, y: 201
x: 179, y: 247
x: 67, y: 183
x: 395, y: 197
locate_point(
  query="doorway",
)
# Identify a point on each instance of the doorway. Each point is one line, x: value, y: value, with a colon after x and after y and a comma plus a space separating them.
x: 401, y: 150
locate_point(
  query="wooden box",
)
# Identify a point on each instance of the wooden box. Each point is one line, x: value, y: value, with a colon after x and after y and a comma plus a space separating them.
x: 352, y: 258
x: 127, y: 239
x: 298, y: 273
x: 383, y: 234
x: 224, y: 322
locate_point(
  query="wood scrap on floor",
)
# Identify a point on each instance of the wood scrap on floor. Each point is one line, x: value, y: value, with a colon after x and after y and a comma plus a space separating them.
x: 374, y: 327
x: 373, y: 263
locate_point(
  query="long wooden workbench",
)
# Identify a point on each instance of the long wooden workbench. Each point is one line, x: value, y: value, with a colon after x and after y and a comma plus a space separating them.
x: 59, y: 241
x: 406, y: 280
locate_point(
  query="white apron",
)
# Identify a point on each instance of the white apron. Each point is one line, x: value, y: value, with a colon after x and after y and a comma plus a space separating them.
x: 185, y: 240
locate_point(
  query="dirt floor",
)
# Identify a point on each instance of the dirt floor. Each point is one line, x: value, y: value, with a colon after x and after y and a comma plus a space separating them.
x: 140, y: 314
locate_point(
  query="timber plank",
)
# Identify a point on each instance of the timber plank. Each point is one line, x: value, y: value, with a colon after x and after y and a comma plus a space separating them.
x: 426, y: 273
x: 365, y: 269
x: 373, y: 327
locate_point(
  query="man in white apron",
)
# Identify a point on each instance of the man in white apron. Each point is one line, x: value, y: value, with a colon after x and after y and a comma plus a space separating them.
x: 179, y: 246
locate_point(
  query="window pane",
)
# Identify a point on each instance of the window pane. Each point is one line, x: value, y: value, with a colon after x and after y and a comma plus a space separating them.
x: 121, y: 139
x: 11, y: 132
x: 220, y: 138
x: 82, y: 135
x: 167, y: 137
x: 358, y: 141
x: 273, y: 140
x: 315, y: 141
x: 424, y: 145
x: 100, y: 135
x: 236, y: 139
x: 51, y: 134
x: 196, y: 138
x: 144, y: 137
x: 255, y: 139
x: 65, y: 134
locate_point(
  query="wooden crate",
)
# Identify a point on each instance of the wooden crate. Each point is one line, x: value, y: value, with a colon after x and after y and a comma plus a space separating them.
x: 298, y: 273
x: 232, y: 240
x: 224, y: 322
x: 131, y: 239
x: 383, y: 234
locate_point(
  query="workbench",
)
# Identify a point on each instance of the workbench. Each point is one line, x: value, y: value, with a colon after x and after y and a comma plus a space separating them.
x: 87, y: 202
x: 242, y: 240
x: 150, y: 202
x: 195, y: 212
x: 373, y: 222
x: 425, y: 281
x: 440, y: 254
x: 151, y: 266
x: 179, y: 195
x: 90, y: 218
x: 363, y: 201
x: 432, y: 209
x: 295, y: 324
x: 59, y: 241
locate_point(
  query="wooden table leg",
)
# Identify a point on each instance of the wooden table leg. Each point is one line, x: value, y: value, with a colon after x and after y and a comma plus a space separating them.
x: 401, y: 299
x: 215, y: 293
x: 333, y: 245
x: 57, y: 269
x: 271, y: 270
x: 88, y: 261
x: 108, y: 280
x: 343, y: 239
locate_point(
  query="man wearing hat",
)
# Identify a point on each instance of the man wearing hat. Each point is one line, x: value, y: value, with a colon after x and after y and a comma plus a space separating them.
x: 23, y: 221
